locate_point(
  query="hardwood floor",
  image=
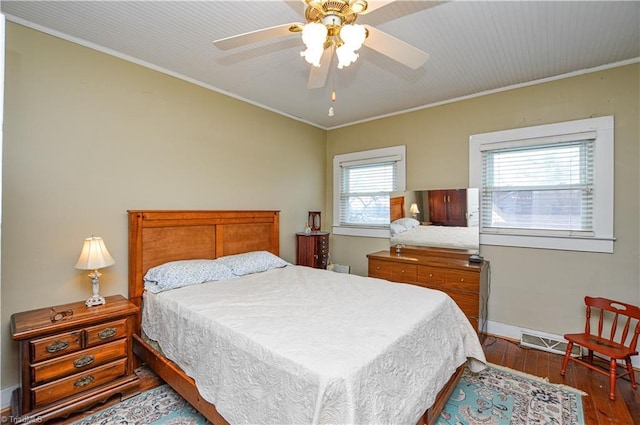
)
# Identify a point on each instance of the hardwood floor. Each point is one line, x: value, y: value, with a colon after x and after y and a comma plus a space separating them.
x: 598, y: 409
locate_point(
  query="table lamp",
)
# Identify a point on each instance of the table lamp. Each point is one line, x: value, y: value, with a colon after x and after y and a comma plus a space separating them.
x: 94, y: 256
x: 413, y: 209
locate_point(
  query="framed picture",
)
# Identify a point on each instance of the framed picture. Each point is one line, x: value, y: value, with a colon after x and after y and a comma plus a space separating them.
x: 314, y: 220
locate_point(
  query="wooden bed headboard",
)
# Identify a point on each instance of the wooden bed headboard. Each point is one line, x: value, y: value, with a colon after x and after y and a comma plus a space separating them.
x: 156, y: 237
x: 396, y: 210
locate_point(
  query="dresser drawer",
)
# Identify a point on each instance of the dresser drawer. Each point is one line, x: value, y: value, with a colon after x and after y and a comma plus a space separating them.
x: 467, y: 301
x: 54, y: 346
x: 431, y: 275
x: 105, y: 332
x: 380, y: 269
x: 401, y: 272
x: 467, y: 281
x: 57, y: 390
x: 76, y: 362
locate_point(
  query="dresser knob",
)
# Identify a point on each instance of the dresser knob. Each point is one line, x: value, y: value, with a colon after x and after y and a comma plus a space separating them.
x: 430, y: 274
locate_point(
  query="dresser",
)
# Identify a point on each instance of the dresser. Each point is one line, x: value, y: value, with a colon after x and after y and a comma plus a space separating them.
x: 312, y: 249
x: 73, y: 356
x: 447, y: 270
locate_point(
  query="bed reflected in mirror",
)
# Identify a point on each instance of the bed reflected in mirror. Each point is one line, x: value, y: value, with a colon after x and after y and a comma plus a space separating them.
x: 445, y: 218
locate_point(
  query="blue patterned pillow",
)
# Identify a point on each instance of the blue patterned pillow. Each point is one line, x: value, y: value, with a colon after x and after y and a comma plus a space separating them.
x: 252, y: 262
x: 177, y: 274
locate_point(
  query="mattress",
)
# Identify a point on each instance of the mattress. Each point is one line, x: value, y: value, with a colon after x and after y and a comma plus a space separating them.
x: 440, y: 236
x: 298, y: 345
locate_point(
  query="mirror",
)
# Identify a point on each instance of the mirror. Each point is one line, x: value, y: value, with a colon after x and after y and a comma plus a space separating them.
x: 446, y: 218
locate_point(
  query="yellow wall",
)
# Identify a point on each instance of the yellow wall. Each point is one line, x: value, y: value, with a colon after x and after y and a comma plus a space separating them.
x: 88, y: 136
x: 532, y: 288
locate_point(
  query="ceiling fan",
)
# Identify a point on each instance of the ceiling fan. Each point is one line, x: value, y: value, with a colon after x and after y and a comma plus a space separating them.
x: 330, y: 29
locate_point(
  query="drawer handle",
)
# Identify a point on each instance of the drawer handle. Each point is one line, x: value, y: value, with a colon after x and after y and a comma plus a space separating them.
x: 84, y: 381
x: 57, y: 346
x: 83, y: 361
x: 107, y: 333
x: 462, y: 279
x: 430, y: 274
x: 378, y: 268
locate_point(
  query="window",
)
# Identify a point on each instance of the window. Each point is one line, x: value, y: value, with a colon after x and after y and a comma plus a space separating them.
x: 547, y: 186
x: 361, y: 185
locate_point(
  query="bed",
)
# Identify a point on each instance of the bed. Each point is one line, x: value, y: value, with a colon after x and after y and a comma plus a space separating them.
x: 438, y: 236
x: 267, y: 330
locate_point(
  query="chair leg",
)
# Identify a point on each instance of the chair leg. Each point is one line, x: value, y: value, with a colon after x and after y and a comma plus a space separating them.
x: 632, y: 375
x: 567, y: 354
x: 612, y: 379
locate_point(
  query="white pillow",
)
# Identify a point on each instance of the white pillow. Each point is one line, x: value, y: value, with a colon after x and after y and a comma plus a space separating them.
x: 396, y: 229
x: 252, y: 262
x: 407, y: 222
x: 177, y: 274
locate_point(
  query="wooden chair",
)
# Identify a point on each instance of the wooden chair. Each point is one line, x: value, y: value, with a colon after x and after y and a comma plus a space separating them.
x: 611, y: 340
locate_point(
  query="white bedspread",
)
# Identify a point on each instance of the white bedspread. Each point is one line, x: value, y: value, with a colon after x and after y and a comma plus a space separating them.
x: 305, y: 346
x: 440, y: 236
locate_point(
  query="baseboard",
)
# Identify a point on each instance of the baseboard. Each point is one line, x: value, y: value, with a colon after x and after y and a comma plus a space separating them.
x: 5, y: 397
x: 511, y: 332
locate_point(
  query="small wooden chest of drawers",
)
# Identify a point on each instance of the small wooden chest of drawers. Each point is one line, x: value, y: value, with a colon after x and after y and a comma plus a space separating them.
x: 69, y: 364
x: 445, y: 270
x: 313, y: 249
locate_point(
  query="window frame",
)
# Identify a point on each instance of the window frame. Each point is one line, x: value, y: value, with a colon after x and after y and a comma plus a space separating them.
x: 602, y: 239
x: 368, y: 155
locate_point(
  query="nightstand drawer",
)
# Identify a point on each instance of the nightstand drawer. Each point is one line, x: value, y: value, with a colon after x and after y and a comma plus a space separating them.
x: 106, y: 332
x: 57, y: 390
x: 76, y: 362
x: 54, y: 346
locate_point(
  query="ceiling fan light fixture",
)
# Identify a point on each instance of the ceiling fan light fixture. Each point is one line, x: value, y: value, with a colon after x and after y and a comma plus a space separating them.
x: 314, y: 36
x: 352, y: 37
x: 358, y: 6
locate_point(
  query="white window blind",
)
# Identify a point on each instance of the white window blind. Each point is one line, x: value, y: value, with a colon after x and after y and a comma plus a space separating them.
x: 364, y: 191
x: 544, y: 187
x: 362, y: 182
x: 548, y: 186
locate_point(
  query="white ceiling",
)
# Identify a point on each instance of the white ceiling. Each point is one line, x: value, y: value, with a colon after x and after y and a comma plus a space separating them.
x: 474, y: 46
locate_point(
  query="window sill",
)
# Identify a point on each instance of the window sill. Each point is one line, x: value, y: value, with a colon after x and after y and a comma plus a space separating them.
x: 368, y: 232
x: 603, y: 245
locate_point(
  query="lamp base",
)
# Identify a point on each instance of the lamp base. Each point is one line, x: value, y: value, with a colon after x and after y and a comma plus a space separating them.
x: 95, y: 300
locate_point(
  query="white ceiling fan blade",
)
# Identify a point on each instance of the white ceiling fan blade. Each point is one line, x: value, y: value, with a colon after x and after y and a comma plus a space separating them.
x: 255, y: 36
x: 318, y: 75
x: 375, y: 5
x: 395, y: 48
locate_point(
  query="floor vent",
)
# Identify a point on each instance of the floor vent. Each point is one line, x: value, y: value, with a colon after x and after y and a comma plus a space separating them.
x: 546, y: 342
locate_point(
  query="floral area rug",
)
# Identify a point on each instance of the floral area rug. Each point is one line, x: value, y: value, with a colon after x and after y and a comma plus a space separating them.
x: 501, y: 396
x: 496, y: 396
x: 159, y: 406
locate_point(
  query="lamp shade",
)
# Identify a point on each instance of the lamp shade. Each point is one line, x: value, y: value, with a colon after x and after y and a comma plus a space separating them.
x: 413, y: 209
x: 94, y: 255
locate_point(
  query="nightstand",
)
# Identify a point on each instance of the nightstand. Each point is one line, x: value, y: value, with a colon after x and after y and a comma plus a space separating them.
x: 81, y: 359
x: 313, y: 249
